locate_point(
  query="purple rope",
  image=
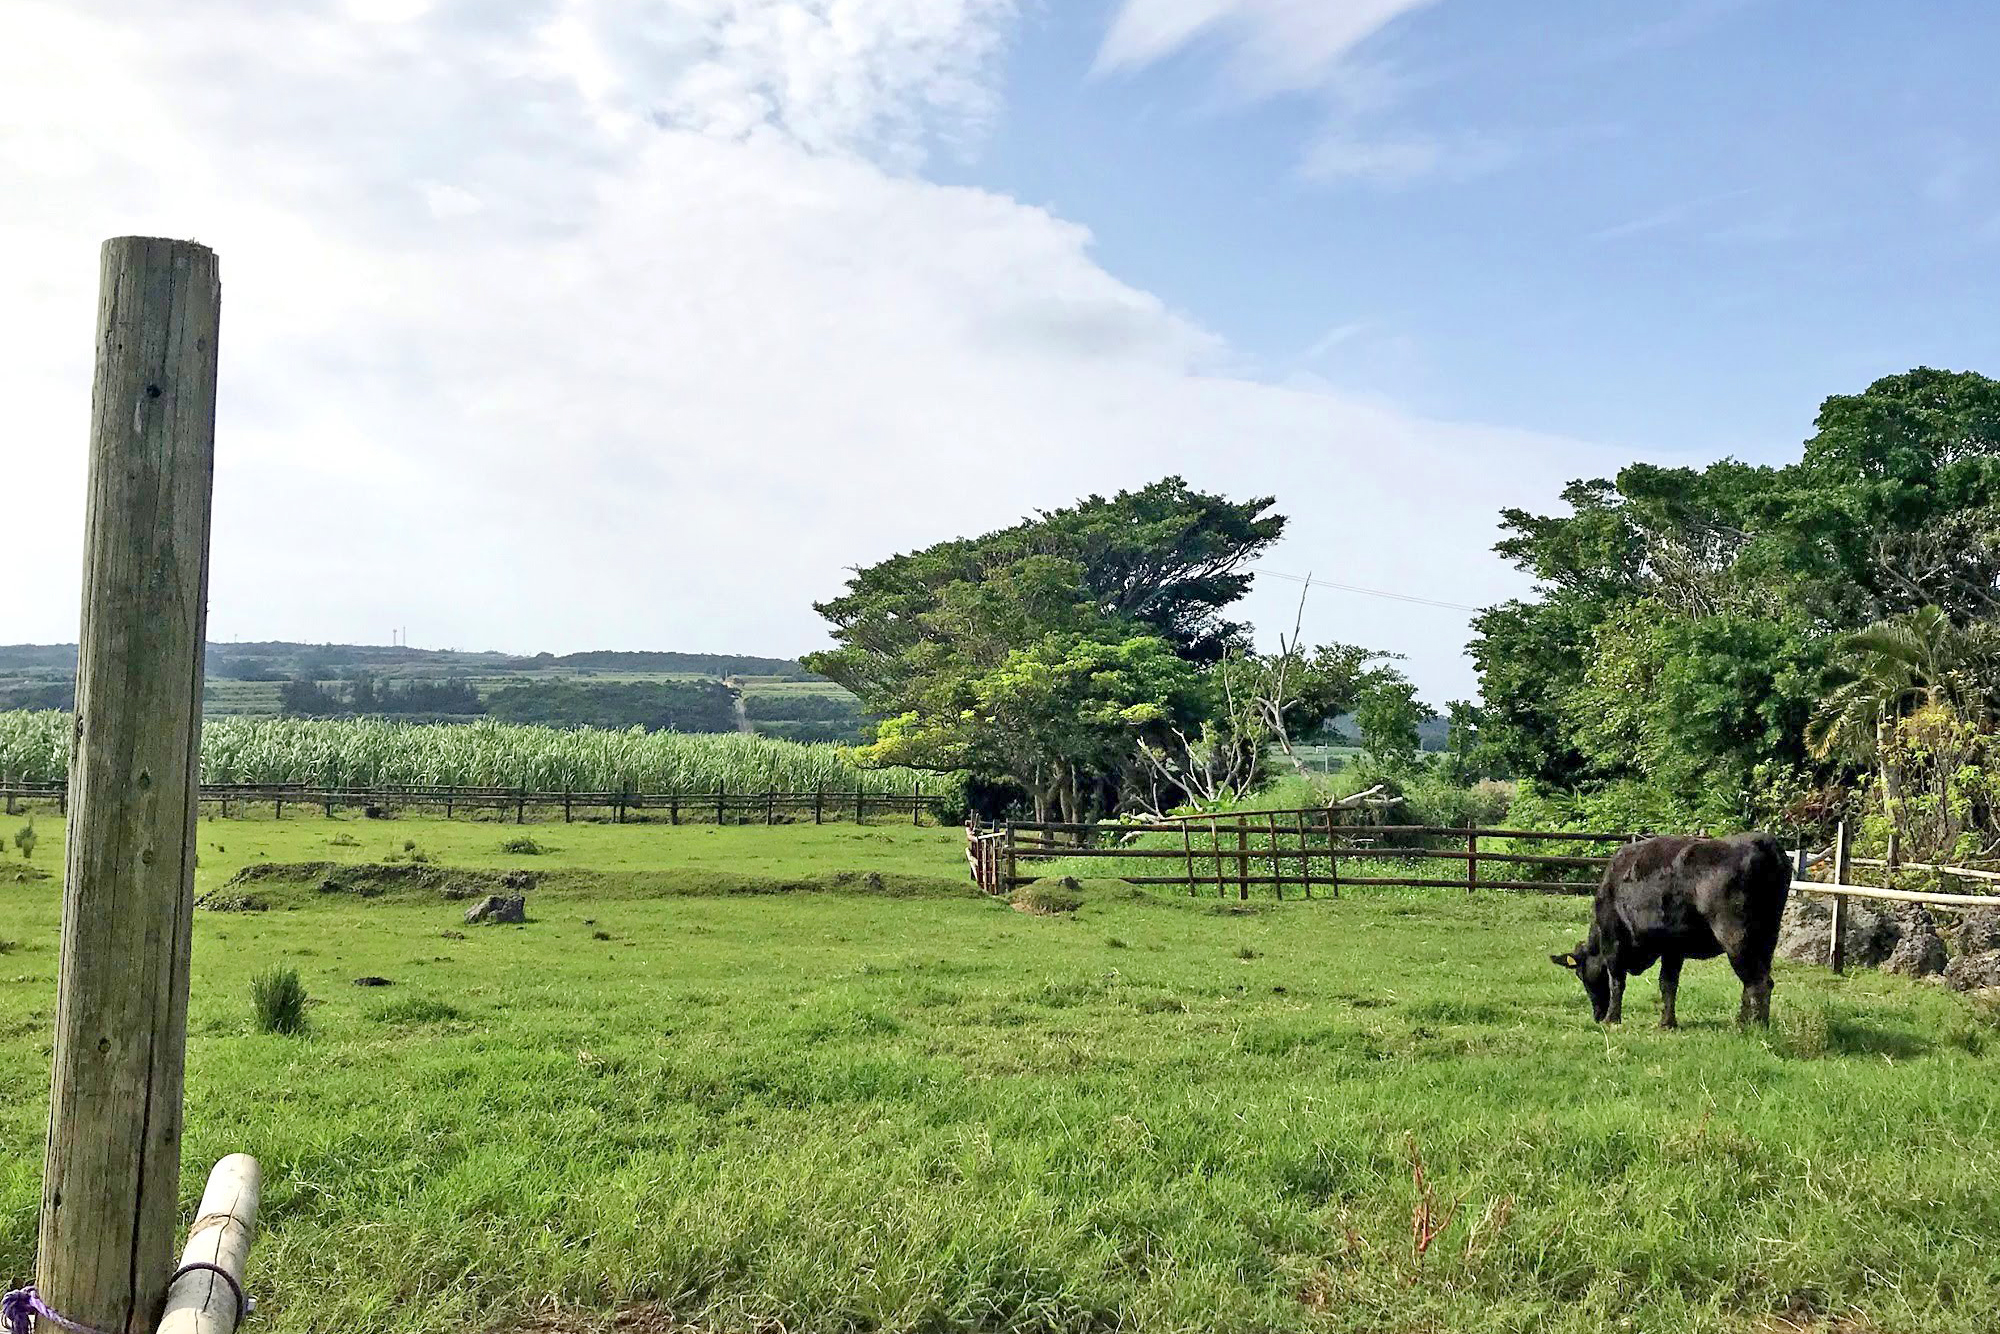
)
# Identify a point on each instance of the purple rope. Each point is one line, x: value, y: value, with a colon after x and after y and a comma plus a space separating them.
x: 21, y: 1307
x: 24, y: 1305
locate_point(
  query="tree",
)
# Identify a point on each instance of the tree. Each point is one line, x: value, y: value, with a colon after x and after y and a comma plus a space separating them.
x: 1165, y: 560
x: 1918, y: 694
x: 1682, y: 622
x: 1388, y: 714
x: 1060, y: 717
x: 1257, y: 704
x: 933, y: 640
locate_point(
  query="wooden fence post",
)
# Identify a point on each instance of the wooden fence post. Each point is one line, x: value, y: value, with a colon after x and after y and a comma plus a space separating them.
x: 112, y: 1175
x: 1305, y: 853
x: 566, y: 801
x: 917, y: 805
x: 819, y: 804
x: 860, y: 812
x: 521, y: 804
x: 1332, y: 858
x: 1242, y: 859
x: 1277, y: 868
x: 1187, y: 848
x: 721, y: 790
x: 1836, y: 944
x: 1007, y: 862
x: 1472, y: 860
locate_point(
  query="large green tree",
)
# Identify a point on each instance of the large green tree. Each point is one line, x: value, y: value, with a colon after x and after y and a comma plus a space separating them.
x: 948, y: 642
x: 1679, y: 634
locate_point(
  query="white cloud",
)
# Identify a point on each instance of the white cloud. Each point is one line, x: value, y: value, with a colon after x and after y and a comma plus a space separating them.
x: 1315, y: 47
x: 595, y: 324
x: 1278, y: 45
x: 1399, y: 160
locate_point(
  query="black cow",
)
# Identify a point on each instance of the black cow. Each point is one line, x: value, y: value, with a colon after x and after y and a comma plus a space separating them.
x: 1672, y: 899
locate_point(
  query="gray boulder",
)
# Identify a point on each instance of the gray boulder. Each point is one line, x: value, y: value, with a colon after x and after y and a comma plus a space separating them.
x: 497, y: 910
x: 1805, y: 928
x: 1875, y: 935
x: 1920, y: 952
x: 1976, y: 931
x: 1973, y: 972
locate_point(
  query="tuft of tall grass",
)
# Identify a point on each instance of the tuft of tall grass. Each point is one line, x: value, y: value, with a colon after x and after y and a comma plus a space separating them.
x: 278, y: 1000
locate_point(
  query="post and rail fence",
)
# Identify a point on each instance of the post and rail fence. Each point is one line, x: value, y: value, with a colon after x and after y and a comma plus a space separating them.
x: 1310, y: 852
x: 768, y: 807
x: 1304, y: 851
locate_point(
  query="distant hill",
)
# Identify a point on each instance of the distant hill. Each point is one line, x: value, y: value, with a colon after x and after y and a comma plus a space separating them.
x: 277, y: 660
x: 685, y: 692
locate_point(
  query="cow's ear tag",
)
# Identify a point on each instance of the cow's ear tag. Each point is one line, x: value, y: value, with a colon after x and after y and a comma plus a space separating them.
x: 1563, y: 960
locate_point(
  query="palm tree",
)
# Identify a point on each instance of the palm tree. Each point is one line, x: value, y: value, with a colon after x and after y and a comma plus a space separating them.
x: 1896, y: 666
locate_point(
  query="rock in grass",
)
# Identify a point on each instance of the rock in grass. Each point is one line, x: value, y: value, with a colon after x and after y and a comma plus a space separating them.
x: 373, y: 982
x: 1974, y: 972
x: 1807, y: 929
x: 498, y: 910
x: 1920, y: 952
x: 1977, y: 931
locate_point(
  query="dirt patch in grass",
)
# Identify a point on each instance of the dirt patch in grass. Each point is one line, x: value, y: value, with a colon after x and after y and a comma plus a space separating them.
x: 291, y: 884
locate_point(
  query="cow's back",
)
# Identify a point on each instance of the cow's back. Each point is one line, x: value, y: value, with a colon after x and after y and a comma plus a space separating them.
x: 1695, y: 897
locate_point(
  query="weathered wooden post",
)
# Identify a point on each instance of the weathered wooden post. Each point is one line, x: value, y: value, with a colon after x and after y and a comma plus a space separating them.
x: 112, y: 1174
x: 1472, y: 860
x: 1836, y: 943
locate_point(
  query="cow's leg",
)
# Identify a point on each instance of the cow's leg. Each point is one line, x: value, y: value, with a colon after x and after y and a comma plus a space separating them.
x: 1616, y: 1014
x: 1756, y: 976
x: 1670, y: 986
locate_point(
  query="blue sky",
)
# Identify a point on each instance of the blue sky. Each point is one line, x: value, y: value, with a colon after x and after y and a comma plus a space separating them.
x: 1678, y: 225
x: 569, y: 324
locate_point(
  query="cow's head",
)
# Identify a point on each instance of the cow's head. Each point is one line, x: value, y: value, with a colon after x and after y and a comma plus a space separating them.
x: 1590, y: 969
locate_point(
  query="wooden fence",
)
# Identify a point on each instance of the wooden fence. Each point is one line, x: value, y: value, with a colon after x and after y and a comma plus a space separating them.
x: 228, y: 799
x: 1298, y: 850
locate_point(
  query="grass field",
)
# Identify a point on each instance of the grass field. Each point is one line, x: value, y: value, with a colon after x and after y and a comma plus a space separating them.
x: 857, y: 1105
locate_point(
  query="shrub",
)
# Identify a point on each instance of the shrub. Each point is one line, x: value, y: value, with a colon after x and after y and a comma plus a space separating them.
x: 24, y: 839
x: 523, y: 845
x: 278, y: 998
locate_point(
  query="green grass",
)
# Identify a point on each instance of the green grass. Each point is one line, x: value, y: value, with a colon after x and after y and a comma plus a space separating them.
x: 894, y: 1105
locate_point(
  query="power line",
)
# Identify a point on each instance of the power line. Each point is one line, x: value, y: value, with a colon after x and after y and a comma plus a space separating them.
x: 1312, y: 582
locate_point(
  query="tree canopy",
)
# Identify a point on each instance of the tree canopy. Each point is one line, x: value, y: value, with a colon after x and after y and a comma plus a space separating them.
x: 1086, y: 655
x: 1686, y: 623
